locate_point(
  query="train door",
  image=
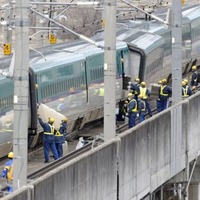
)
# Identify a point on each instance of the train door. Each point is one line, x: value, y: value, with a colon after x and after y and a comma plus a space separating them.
x: 136, y: 62
x: 32, y: 103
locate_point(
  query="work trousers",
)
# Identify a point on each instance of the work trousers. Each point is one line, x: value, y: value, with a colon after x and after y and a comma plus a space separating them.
x: 52, y: 146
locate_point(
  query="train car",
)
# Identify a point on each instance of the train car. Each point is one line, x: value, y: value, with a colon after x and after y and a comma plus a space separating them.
x: 70, y: 82
x: 190, y: 41
x: 70, y: 76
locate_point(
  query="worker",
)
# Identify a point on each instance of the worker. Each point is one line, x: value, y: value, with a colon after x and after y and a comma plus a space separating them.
x: 132, y: 111
x: 120, y: 112
x: 194, y: 81
x: 135, y: 87
x: 164, y: 93
x: 141, y: 109
x: 158, y: 102
x: 186, y: 91
x: 8, y: 172
x: 145, y: 94
x: 49, y: 139
x: 60, y: 137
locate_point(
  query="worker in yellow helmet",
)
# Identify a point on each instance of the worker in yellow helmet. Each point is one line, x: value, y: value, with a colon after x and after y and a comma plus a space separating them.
x: 186, y: 91
x: 132, y: 111
x: 8, y: 172
x: 60, y: 136
x: 49, y: 139
x: 145, y: 94
x: 194, y: 77
x: 164, y: 93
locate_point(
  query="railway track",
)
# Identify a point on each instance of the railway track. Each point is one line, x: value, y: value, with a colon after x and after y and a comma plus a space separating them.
x: 59, y: 162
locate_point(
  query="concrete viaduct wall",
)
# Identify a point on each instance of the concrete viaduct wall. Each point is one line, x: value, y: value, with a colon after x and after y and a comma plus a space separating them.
x: 146, y: 156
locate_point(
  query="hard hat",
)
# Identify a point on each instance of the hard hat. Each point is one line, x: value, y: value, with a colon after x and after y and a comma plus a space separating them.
x: 65, y: 119
x: 137, y: 80
x: 11, y: 155
x: 194, y: 67
x: 186, y: 81
x: 164, y: 81
x: 130, y: 94
x: 51, y: 119
x: 143, y: 84
x: 183, y: 83
x: 160, y: 82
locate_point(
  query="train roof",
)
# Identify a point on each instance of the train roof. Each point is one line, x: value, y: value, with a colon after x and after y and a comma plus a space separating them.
x: 143, y: 40
x: 192, y: 13
x: 53, y: 60
x: 67, y: 55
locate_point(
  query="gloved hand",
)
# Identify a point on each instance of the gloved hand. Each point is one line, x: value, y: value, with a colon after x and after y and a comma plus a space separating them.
x: 194, y: 88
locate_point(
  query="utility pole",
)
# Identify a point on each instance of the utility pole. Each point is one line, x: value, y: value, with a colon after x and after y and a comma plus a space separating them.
x: 176, y: 51
x: 176, y: 120
x: 110, y: 69
x: 21, y: 88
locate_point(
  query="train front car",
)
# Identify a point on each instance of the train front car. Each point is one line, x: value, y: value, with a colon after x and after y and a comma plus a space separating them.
x: 72, y: 84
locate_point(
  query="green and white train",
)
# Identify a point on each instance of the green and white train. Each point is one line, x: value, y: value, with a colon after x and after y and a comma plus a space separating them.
x: 70, y: 76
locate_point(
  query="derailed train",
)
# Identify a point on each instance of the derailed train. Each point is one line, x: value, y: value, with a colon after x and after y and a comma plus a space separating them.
x: 70, y: 76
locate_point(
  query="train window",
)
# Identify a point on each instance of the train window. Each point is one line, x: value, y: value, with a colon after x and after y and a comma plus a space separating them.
x: 62, y: 86
x: 71, y: 83
x: 48, y: 90
x: 67, y: 83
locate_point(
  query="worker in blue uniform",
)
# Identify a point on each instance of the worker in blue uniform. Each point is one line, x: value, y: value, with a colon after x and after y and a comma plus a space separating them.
x: 141, y: 109
x: 186, y: 91
x: 49, y: 139
x: 158, y: 101
x: 132, y: 111
x: 60, y: 137
x: 8, y: 172
x: 135, y: 87
x: 164, y: 93
x: 145, y: 94
x: 194, y: 80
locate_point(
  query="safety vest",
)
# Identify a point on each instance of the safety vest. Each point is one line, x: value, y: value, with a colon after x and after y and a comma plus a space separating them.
x: 185, y: 92
x: 52, y: 130
x: 143, y: 93
x: 58, y: 134
x: 135, y: 109
x: 101, y: 92
x: 9, y: 175
x: 161, y: 90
